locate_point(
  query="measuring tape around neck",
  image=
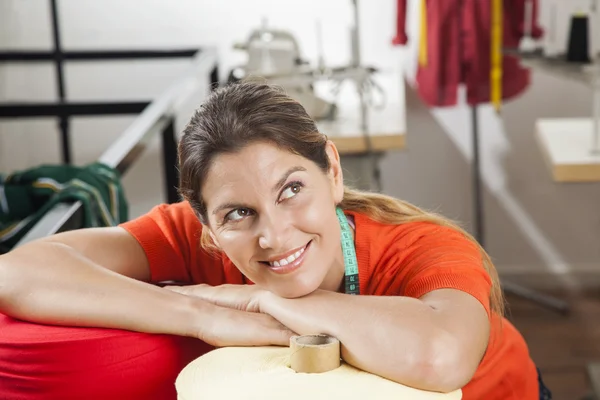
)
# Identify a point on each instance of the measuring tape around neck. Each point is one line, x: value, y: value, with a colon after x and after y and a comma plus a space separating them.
x: 351, y: 284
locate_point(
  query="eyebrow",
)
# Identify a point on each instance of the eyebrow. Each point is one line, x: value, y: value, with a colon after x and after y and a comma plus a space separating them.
x: 276, y: 187
x: 225, y: 206
x: 286, y: 175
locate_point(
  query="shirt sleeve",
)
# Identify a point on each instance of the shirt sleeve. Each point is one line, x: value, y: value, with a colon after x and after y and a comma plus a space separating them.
x: 439, y: 257
x: 170, y: 236
x: 523, y: 20
x: 400, y: 37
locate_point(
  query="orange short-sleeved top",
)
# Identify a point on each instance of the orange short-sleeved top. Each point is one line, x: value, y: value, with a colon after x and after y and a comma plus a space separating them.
x: 401, y: 260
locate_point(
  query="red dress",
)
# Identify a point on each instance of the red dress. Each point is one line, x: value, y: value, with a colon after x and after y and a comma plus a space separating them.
x: 458, y: 49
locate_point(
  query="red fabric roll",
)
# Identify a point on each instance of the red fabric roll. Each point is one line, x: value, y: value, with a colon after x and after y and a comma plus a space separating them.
x: 55, y: 362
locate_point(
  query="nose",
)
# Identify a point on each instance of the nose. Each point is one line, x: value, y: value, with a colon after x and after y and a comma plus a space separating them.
x: 272, y: 231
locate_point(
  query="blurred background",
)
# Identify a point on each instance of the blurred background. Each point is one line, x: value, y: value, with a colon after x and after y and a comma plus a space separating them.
x: 538, y: 217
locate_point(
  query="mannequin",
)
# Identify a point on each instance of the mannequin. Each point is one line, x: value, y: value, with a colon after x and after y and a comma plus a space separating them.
x: 462, y: 42
x: 459, y: 45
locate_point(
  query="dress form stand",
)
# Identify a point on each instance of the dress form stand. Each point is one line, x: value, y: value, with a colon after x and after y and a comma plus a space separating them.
x: 595, y: 150
x: 496, y: 99
x: 479, y: 230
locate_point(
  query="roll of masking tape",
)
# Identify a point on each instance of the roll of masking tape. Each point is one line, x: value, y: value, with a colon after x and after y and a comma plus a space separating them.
x: 309, y: 369
x: 314, y: 354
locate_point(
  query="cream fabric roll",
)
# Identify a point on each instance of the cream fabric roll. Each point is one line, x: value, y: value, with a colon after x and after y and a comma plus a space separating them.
x: 264, y: 373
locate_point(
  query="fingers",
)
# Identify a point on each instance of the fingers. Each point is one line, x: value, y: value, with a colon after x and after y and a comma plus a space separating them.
x: 239, y: 297
x: 238, y: 320
x: 274, y: 332
x: 229, y: 327
x: 279, y: 336
x: 286, y: 335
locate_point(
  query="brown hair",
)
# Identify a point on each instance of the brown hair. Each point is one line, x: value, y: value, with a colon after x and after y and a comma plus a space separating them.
x: 241, y: 113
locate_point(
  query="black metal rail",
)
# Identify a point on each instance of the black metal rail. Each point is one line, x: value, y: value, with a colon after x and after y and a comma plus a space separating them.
x: 156, y: 118
x: 64, y: 110
x: 28, y: 110
x: 94, y: 55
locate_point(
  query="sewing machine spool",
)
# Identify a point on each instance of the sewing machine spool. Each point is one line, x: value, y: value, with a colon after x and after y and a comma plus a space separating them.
x: 309, y: 369
x: 578, y: 48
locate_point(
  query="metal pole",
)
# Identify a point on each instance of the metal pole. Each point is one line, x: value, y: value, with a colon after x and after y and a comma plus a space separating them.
x: 542, y: 299
x: 476, y: 176
x: 124, y: 151
x: 355, y: 36
x: 169, y: 143
x: 60, y: 83
x: 214, y: 78
x: 361, y: 87
x: 596, y: 113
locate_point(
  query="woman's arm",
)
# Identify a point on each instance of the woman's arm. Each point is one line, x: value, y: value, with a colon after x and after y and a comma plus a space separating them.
x: 434, y: 343
x: 79, y: 279
x: 91, y: 278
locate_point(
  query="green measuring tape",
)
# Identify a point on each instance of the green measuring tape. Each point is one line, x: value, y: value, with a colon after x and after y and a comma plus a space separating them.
x: 350, y: 263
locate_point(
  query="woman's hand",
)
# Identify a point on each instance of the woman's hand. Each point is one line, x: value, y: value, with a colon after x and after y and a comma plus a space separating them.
x: 228, y: 327
x: 235, y: 317
x: 240, y: 297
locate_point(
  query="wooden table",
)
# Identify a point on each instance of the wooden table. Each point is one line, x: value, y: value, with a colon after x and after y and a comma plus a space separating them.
x: 571, y: 146
x: 567, y: 147
x: 386, y: 129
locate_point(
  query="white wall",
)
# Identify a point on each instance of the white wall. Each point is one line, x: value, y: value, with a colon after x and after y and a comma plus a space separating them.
x: 90, y: 24
x: 553, y: 247
x: 163, y: 24
x: 130, y: 24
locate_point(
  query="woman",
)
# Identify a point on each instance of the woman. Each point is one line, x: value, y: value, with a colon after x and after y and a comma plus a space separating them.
x: 268, y: 243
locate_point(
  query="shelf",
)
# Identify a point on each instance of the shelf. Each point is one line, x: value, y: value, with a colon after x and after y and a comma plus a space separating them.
x: 567, y: 145
x: 558, y: 65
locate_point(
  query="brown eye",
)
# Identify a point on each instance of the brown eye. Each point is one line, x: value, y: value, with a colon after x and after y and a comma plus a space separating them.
x: 237, y: 214
x: 290, y: 191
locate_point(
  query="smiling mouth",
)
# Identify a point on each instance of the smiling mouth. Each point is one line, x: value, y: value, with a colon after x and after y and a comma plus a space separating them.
x: 290, y: 262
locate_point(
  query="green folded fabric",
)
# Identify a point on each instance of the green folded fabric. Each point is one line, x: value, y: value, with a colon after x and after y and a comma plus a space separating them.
x: 25, y: 196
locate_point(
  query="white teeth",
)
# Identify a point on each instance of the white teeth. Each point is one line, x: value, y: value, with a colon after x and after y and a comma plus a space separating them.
x: 288, y: 260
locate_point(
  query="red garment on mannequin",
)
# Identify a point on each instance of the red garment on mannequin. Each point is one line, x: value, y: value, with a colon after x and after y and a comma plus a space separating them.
x: 458, y: 48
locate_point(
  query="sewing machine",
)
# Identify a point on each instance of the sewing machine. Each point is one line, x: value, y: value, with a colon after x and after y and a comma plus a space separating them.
x: 274, y: 55
x: 347, y: 102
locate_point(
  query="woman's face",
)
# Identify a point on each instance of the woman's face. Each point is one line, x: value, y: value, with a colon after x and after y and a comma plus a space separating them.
x: 273, y: 214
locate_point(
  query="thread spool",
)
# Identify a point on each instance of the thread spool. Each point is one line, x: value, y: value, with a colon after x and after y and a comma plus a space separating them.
x: 310, y: 368
x: 578, y: 48
x: 314, y: 354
